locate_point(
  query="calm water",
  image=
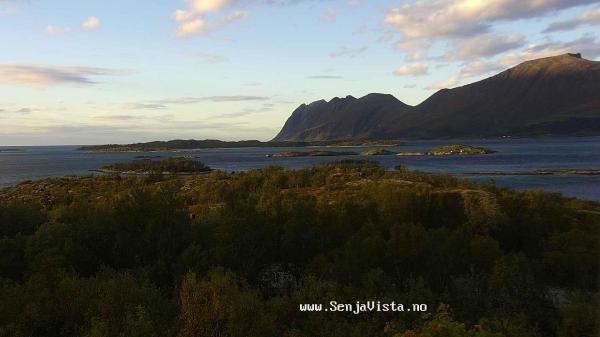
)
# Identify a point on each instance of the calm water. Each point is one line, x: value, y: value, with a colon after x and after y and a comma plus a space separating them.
x: 513, y: 155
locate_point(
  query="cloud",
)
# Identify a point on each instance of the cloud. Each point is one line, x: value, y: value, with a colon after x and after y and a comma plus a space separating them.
x: 349, y: 52
x: 239, y: 98
x: 589, y: 17
x: 135, y: 118
x: 47, y: 75
x: 329, y: 15
x: 478, y: 67
x: 486, y: 45
x: 324, y: 77
x: 145, y: 106
x: 203, y: 6
x: 91, y: 23
x: 190, y: 28
x: 447, y: 83
x: 211, y: 58
x: 415, y: 69
x: 245, y: 112
x: 588, y: 45
x: 57, y: 30
x: 165, y: 103
x: 21, y: 111
x: 423, y: 22
x: 229, y: 19
x: 192, y: 21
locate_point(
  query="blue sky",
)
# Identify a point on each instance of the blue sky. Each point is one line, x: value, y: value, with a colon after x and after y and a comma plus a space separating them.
x: 88, y: 72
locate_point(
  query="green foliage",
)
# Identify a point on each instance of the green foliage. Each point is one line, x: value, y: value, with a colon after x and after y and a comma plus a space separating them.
x: 234, y: 254
x: 459, y: 149
x: 169, y: 166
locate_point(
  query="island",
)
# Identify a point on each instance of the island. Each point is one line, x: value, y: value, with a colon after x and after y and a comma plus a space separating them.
x: 377, y: 153
x: 365, y: 143
x: 169, y: 166
x: 192, y: 144
x: 542, y: 172
x: 408, y: 154
x: 450, y: 150
x: 316, y: 153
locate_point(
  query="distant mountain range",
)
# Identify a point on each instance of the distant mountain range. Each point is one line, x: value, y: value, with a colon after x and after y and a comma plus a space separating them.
x: 554, y: 96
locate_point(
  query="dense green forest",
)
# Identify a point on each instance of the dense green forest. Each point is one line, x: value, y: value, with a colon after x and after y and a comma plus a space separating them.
x: 234, y: 254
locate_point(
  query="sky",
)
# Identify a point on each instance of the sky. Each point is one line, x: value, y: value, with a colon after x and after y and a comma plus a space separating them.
x: 123, y: 71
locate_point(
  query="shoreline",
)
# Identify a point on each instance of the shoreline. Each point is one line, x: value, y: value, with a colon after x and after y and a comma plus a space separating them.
x: 134, y: 173
x: 541, y: 172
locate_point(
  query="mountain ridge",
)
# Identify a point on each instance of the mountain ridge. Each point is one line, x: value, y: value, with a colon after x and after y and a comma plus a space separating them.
x: 557, y: 95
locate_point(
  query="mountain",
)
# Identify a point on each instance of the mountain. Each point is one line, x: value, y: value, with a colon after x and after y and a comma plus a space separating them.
x: 557, y: 95
x: 342, y: 118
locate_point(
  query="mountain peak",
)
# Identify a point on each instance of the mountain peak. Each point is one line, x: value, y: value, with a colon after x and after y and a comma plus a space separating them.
x: 555, y: 95
x: 564, y: 64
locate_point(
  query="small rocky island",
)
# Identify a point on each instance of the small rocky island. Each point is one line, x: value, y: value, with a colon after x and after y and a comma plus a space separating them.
x: 377, y: 153
x: 170, y: 166
x: 450, y: 150
x: 316, y: 153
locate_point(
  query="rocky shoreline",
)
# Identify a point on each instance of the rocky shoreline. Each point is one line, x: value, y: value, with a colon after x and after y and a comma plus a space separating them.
x: 540, y: 172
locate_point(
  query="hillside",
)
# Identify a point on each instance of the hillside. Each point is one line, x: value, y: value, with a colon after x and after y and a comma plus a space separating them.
x: 342, y: 118
x: 234, y: 254
x: 550, y: 96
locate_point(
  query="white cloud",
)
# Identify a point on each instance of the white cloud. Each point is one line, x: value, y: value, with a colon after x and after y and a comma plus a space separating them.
x: 57, y: 30
x: 587, y: 45
x: 589, y: 17
x: 415, y: 69
x: 165, y: 103
x: 47, y: 75
x: 181, y: 15
x: 91, y: 23
x: 478, y: 67
x: 203, y: 6
x: 192, y: 21
x: 422, y: 22
x: 447, y: 83
x: 192, y: 27
x: 486, y: 45
x: 229, y: 19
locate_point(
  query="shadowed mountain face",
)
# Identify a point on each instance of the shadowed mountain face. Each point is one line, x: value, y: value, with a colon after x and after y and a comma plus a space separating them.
x: 551, y: 96
x: 342, y: 118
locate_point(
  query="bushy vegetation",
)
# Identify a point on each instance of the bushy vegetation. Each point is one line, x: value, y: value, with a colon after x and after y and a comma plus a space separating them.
x: 234, y: 254
x: 169, y: 165
x: 459, y: 149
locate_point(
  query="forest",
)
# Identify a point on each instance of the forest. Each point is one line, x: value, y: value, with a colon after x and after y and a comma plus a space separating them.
x: 235, y: 254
